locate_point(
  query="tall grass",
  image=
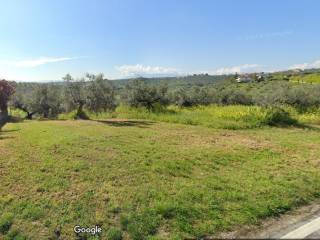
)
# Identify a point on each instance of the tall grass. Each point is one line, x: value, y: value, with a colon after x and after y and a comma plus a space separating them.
x: 308, y: 78
x: 309, y: 116
x: 17, y: 113
x: 213, y: 116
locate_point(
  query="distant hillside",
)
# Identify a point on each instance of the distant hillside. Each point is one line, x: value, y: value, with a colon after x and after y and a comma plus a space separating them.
x: 302, y: 76
x: 173, y: 82
x: 306, y: 78
x: 299, y: 76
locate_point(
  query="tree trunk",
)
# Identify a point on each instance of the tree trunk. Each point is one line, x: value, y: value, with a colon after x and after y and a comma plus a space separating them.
x: 80, y: 113
x: 4, y: 117
x: 45, y: 114
x: 80, y: 110
x: 30, y: 115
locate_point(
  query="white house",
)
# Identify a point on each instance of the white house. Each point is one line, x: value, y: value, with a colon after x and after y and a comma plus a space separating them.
x: 244, y: 79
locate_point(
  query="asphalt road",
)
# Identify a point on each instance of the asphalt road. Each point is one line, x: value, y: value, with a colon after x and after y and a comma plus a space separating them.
x: 315, y: 235
x: 309, y: 229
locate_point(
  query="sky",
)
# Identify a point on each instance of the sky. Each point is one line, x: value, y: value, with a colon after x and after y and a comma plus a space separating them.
x: 42, y: 40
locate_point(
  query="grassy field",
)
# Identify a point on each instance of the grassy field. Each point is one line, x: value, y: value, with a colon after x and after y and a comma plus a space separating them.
x: 150, y: 180
x: 213, y: 116
x: 307, y: 78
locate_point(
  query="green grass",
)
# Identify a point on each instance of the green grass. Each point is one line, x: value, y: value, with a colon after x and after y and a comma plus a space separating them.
x: 150, y: 180
x: 307, y: 78
x: 17, y: 113
x: 213, y: 116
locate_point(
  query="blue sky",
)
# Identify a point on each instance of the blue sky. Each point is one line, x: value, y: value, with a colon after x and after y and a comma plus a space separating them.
x: 43, y: 40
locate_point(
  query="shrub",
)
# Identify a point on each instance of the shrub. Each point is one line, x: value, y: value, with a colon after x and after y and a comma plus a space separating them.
x: 278, y: 116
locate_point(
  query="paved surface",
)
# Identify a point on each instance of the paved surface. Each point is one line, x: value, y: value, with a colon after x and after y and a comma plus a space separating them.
x: 310, y: 229
x: 315, y: 235
x: 300, y: 223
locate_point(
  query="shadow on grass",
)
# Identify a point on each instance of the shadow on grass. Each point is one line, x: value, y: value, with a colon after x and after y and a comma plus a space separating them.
x: 13, y: 119
x: 3, y: 132
x: 308, y: 127
x: 126, y: 123
x: 11, y: 130
x: 297, y: 125
x: 4, y: 136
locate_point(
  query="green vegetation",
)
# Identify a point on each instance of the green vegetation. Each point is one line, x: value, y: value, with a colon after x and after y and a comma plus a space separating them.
x: 143, y: 179
x: 5, y: 223
x: 307, y: 78
x: 98, y: 95
x: 6, y: 92
x: 227, y: 117
x: 155, y: 159
x: 215, y: 116
x: 114, y: 234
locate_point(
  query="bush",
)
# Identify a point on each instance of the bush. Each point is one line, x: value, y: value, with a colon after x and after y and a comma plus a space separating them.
x: 278, y: 116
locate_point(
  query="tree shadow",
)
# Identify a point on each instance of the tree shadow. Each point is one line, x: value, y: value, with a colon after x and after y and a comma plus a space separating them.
x: 302, y: 126
x: 4, y: 134
x: 309, y: 127
x: 126, y: 123
x: 3, y: 137
x: 11, y: 130
x: 13, y: 119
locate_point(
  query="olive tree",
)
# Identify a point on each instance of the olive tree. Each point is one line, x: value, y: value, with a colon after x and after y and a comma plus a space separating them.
x: 47, y: 100
x: 186, y: 97
x: 100, y: 93
x: 42, y: 99
x: 92, y: 92
x: 75, y: 95
x: 24, y: 100
x: 140, y: 94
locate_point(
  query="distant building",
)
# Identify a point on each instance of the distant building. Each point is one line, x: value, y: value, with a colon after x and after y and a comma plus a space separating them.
x: 297, y: 70
x: 260, y: 77
x: 244, y: 79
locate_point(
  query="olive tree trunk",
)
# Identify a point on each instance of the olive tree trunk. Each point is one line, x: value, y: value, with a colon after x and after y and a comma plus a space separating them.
x: 4, y: 117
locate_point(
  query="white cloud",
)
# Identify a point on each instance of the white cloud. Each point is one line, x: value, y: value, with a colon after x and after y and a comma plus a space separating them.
x: 315, y: 64
x: 139, y: 69
x: 245, y: 68
x: 142, y: 70
x: 31, y: 63
x: 266, y: 35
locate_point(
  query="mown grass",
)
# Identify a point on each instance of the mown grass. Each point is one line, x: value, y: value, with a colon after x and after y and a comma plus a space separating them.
x: 150, y: 180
